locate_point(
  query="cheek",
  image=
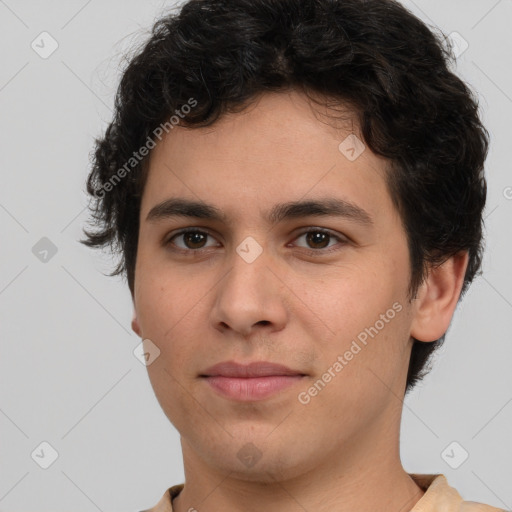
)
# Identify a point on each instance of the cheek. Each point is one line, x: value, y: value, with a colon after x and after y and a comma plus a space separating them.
x: 173, y: 311
x: 360, y: 372
x: 163, y: 300
x: 173, y: 394
x: 168, y: 312
x: 367, y: 314
x: 350, y: 298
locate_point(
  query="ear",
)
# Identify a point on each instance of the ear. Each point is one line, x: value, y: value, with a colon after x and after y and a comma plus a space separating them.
x: 437, y: 298
x: 135, y: 324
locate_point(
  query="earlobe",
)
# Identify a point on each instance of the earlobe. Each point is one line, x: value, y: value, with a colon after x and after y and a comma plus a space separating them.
x: 135, y: 324
x: 437, y: 298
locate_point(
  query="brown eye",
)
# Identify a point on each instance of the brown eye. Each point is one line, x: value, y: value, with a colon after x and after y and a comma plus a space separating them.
x: 192, y: 240
x: 318, y: 239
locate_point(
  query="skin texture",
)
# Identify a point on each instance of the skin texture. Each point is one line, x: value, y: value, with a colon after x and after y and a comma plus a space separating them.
x: 296, y: 304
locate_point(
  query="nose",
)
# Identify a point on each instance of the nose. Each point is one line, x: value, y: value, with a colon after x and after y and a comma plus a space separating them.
x: 250, y: 297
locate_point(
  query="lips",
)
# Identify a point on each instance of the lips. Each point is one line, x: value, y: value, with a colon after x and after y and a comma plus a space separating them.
x: 252, y: 382
x: 251, y: 370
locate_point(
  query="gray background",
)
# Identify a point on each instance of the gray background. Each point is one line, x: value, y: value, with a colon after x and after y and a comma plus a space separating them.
x: 67, y: 369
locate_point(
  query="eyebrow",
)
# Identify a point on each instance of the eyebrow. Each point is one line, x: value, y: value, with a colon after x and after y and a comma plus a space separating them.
x: 179, y: 207
x: 320, y: 207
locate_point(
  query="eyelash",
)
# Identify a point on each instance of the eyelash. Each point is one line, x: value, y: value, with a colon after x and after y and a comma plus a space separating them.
x: 310, y: 252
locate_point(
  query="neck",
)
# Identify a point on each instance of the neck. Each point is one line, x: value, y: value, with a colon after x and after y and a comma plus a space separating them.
x: 357, y: 475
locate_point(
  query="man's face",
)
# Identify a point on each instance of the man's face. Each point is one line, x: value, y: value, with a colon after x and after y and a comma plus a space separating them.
x: 330, y: 305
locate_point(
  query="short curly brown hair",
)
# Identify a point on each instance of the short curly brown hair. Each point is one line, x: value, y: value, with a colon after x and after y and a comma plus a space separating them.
x: 373, y: 55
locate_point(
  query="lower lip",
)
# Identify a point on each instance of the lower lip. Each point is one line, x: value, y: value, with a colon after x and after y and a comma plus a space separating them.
x: 251, y: 389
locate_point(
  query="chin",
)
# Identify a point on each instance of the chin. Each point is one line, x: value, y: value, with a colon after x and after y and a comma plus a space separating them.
x: 268, y: 464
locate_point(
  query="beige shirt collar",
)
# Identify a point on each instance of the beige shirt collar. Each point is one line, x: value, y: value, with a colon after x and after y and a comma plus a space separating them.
x: 438, y: 497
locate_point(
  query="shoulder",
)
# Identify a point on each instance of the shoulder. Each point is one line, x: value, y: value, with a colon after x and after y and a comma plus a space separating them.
x: 473, y: 506
x: 439, y: 495
x: 165, y: 503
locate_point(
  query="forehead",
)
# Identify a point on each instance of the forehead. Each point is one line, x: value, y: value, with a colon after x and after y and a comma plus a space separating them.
x: 281, y: 148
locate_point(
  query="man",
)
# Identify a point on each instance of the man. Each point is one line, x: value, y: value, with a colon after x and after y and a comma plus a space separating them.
x: 297, y: 188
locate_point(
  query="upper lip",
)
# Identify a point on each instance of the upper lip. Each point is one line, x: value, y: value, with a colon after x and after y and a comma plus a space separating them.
x: 254, y: 369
